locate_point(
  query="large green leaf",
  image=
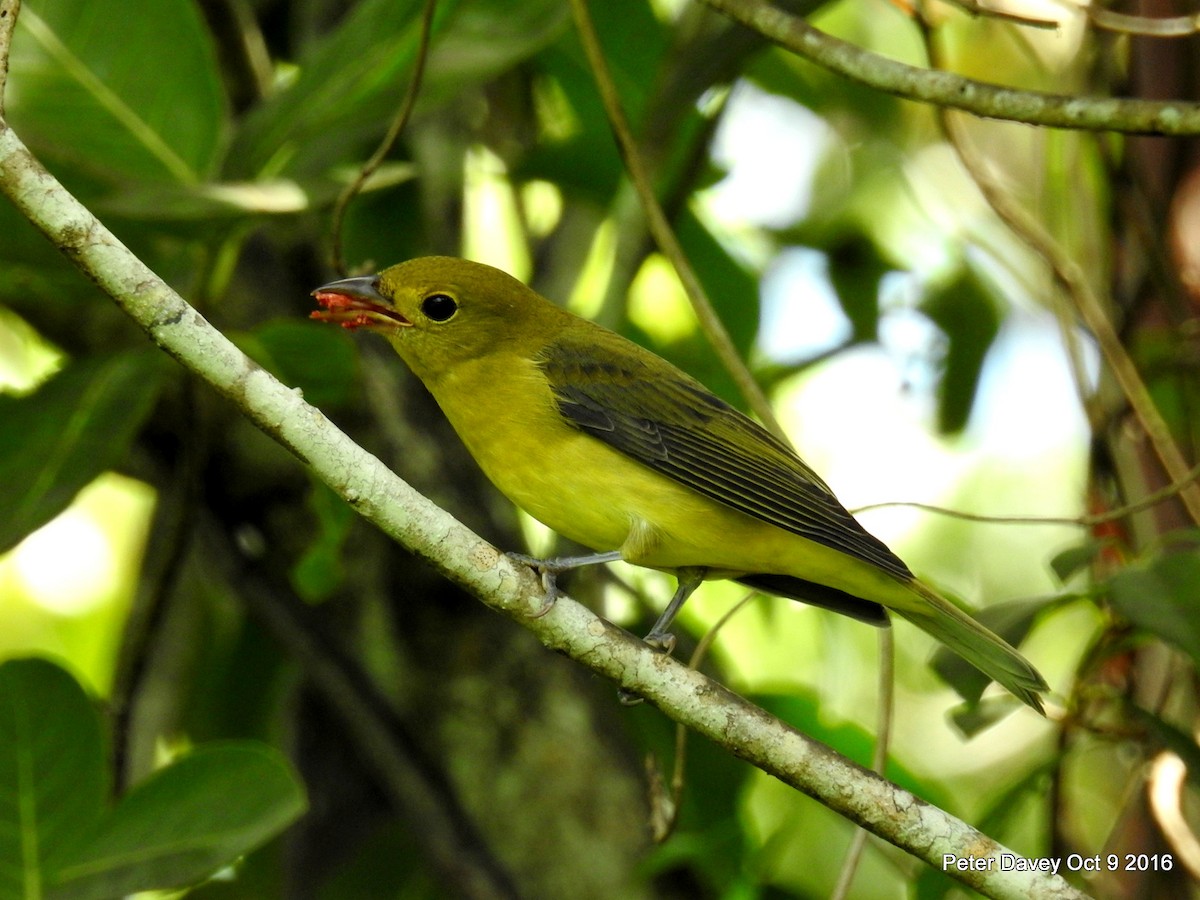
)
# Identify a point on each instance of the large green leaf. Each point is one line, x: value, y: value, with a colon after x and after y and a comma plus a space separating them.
x: 52, y: 776
x: 75, y: 426
x: 59, y: 840
x: 125, y: 92
x: 184, y: 822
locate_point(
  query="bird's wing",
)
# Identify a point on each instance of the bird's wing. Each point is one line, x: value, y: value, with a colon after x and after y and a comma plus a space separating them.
x: 643, y: 406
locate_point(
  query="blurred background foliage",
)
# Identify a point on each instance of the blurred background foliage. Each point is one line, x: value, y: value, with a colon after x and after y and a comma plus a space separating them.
x: 193, y: 576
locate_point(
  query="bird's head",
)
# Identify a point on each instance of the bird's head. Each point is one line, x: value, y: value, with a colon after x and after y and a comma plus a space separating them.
x: 438, y: 310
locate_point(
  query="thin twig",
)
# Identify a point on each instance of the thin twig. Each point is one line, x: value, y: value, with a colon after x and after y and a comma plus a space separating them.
x: 949, y: 90
x: 1145, y: 26
x: 660, y: 228
x: 978, y: 10
x: 389, y: 140
x: 1088, y: 521
x: 9, y: 10
x: 883, y: 740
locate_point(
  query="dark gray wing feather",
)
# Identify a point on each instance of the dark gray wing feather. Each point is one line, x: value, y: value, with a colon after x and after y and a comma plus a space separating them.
x: 652, y: 412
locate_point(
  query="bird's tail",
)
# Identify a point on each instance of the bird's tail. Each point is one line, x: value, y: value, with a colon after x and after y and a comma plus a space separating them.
x: 989, y: 653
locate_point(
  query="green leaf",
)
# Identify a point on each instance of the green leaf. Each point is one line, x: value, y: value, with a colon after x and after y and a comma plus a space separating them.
x: 967, y: 312
x: 1160, y: 597
x: 119, y: 93
x: 855, y: 270
x: 320, y: 571
x: 1075, y: 559
x: 1176, y: 740
x: 75, y: 426
x: 350, y: 83
x: 235, y: 201
x: 52, y: 776
x: 181, y: 824
x: 319, y: 360
x: 184, y: 822
x: 803, y: 712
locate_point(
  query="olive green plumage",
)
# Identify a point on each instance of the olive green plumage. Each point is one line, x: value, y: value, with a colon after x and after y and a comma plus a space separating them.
x: 617, y: 449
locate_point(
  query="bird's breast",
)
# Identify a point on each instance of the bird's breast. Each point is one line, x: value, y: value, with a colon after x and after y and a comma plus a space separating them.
x: 507, y: 417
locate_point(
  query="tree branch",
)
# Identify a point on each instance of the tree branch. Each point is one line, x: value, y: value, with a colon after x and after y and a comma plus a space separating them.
x: 954, y: 91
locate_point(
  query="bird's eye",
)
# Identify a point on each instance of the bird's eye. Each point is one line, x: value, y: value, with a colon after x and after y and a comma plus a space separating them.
x: 439, y: 307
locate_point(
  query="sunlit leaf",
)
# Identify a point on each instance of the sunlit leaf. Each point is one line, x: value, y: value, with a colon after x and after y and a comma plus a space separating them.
x: 75, y: 426
x: 234, y: 201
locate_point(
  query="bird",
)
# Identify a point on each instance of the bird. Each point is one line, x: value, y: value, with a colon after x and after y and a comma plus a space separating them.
x: 615, y: 448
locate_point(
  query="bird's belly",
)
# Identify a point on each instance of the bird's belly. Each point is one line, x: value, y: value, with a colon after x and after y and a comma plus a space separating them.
x: 599, y: 497
x: 582, y: 489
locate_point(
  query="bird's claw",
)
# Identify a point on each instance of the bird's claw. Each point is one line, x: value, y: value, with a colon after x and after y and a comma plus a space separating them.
x: 549, y: 579
x: 662, y: 641
x: 552, y: 592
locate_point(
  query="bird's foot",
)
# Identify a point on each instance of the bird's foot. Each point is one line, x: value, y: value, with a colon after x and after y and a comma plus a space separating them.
x: 550, y: 569
x: 662, y: 641
x: 548, y: 573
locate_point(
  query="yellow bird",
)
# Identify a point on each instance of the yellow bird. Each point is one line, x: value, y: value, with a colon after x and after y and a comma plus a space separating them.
x: 617, y: 449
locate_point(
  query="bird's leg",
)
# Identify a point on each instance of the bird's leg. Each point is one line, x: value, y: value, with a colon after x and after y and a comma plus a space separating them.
x: 550, y: 569
x: 659, y: 638
x: 689, y: 578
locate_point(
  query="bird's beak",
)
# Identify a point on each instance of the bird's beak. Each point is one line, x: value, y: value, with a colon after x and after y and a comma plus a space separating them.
x: 356, y: 303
